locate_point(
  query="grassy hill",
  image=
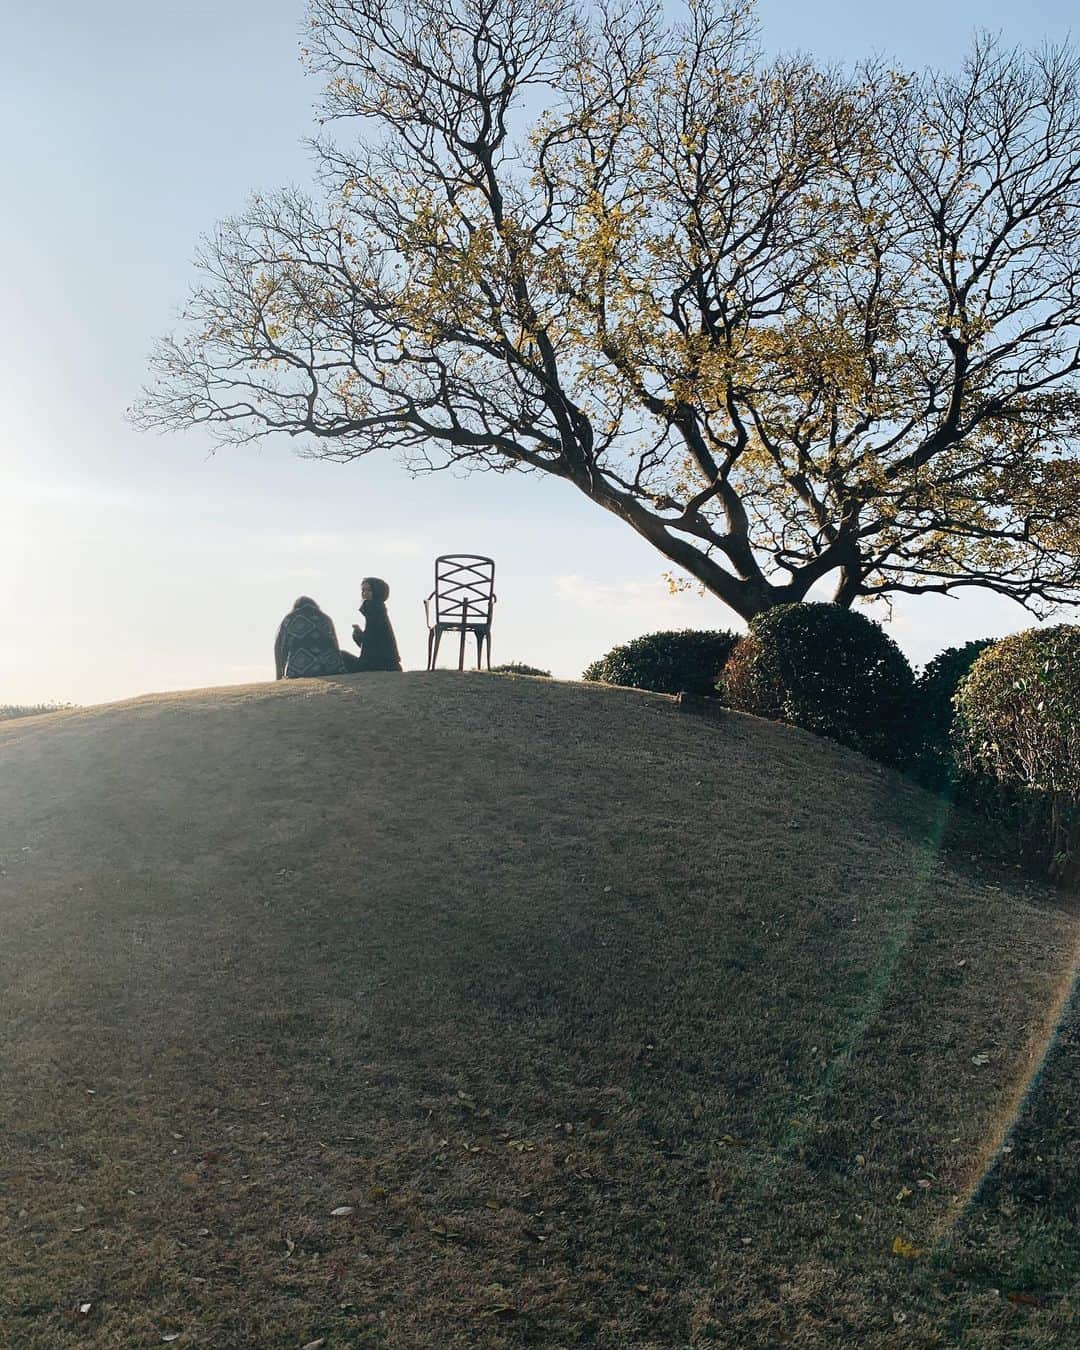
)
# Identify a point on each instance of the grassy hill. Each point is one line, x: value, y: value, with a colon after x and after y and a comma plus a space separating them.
x: 596, y: 1021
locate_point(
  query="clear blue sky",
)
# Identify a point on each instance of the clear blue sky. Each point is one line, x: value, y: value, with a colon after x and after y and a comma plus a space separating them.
x: 133, y: 563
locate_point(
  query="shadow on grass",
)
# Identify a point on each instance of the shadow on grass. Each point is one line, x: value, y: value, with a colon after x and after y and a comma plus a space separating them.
x: 1028, y: 1206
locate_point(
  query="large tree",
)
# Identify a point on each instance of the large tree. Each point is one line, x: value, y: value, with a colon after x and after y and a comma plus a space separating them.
x: 787, y: 323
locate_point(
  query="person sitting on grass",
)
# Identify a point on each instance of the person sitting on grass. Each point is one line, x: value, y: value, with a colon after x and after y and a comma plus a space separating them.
x: 378, y: 646
x: 306, y: 643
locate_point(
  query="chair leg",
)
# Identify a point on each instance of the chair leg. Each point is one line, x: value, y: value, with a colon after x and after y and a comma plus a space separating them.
x: 435, y: 649
x: 461, y: 650
x: 488, y: 636
x: 430, y: 646
x: 479, y: 649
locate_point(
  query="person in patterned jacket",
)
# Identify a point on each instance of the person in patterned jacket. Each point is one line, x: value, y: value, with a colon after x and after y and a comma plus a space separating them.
x: 306, y: 643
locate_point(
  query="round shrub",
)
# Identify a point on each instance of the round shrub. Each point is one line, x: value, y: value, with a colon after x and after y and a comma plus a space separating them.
x: 688, y: 662
x: 1018, y: 724
x: 827, y: 669
x: 935, y: 690
x: 518, y: 668
x: 748, y: 683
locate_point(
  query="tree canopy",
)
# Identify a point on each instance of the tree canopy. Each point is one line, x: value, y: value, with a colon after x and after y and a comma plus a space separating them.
x: 787, y: 322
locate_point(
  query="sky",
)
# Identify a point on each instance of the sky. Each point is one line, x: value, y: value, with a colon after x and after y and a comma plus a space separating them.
x: 132, y: 563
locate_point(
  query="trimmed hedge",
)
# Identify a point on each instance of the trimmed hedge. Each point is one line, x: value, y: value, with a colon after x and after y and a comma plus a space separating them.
x: 829, y: 670
x: 1018, y: 725
x: 676, y: 662
x: 10, y: 710
x: 935, y: 689
x: 518, y: 668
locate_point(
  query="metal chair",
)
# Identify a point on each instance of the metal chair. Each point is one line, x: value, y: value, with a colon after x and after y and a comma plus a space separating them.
x: 464, y: 597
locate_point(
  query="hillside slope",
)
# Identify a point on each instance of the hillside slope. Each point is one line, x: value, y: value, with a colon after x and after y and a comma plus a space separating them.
x: 606, y: 1023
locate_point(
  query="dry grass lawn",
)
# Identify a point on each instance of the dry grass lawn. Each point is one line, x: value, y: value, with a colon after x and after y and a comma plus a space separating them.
x: 598, y: 1023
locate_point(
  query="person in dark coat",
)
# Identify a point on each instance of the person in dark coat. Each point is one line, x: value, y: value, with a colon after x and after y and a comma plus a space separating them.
x: 378, y: 646
x: 306, y: 643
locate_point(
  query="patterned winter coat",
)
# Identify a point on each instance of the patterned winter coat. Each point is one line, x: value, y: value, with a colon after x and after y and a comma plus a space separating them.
x: 306, y: 643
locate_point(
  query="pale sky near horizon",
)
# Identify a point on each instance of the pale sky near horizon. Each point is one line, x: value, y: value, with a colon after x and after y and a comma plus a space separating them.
x: 133, y: 563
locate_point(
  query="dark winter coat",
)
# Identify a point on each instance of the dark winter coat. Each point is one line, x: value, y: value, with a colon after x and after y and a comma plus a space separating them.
x: 378, y: 646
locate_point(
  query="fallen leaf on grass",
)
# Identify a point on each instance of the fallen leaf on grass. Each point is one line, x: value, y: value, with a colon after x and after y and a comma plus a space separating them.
x: 980, y: 1059
x: 903, y: 1192
x: 84, y: 1308
x: 1025, y: 1300
x: 315, y: 1345
x: 908, y: 1250
x: 342, y: 1212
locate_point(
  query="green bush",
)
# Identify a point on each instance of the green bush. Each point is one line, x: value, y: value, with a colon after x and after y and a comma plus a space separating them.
x: 935, y: 689
x: 688, y: 662
x: 518, y: 668
x: 9, y: 710
x: 827, y: 669
x: 1018, y: 725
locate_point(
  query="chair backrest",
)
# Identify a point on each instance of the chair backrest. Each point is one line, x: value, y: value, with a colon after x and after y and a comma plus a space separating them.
x: 464, y: 588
